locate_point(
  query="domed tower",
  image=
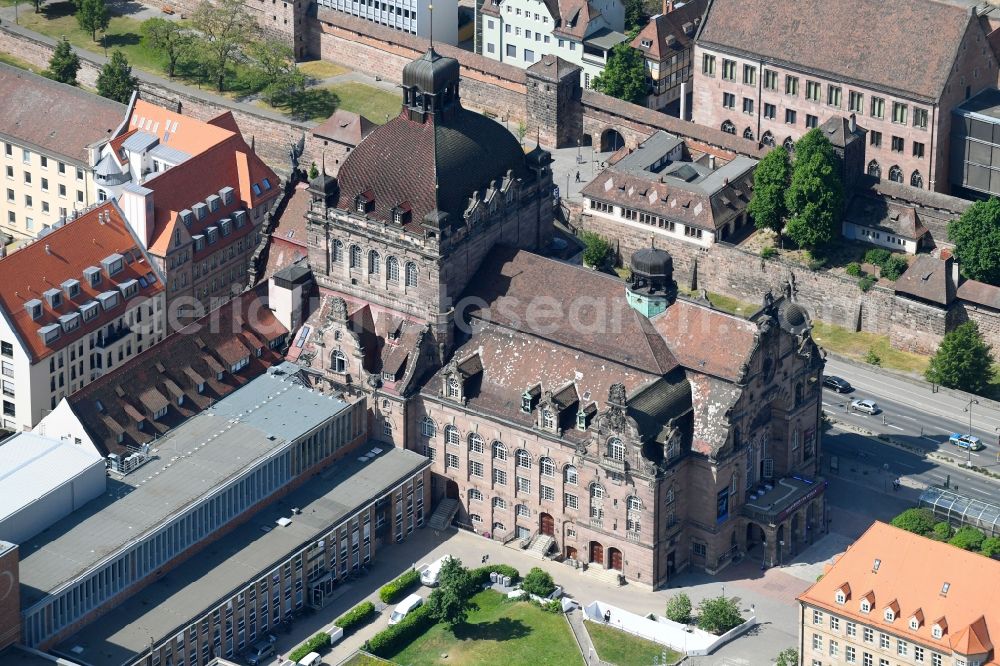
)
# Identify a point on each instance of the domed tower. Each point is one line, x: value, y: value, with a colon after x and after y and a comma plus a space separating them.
x: 651, y: 288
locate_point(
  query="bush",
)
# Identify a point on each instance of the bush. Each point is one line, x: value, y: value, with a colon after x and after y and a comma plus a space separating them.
x: 990, y: 547
x: 787, y: 657
x: 391, y: 640
x: 482, y: 574
x: 596, y: 249
x: 318, y: 642
x: 893, y: 267
x: 554, y: 606
x: 866, y: 283
x: 538, y: 582
x: 854, y: 269
x: 877, y: 256
x: 968, y: 538
x: 918, y: 521
x: 357, y: 616
x: 942, y: 531
x: 815, y: 263
x: 679, y: 608
x: 872, y: 357
x: 719, y: 615
x: 768, y: 252
x: 395, y: 589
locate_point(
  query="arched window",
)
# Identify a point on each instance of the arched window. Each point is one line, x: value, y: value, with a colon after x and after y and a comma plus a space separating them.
x: 392, y: 269
x: 570, y: 475
x: 633, y: 517
x: 337, y: 253
x: 427, y: 427
x: 498, y: 527
x: 596, y: 501
x: 548, y: 419
x: 728, y: 127
x: 475, y: 443
x: 748, y: 134
x: 767, y: 139
x: 451, y: 435
x: 522, y: 511
x: 499, y: 503
x: 374, y: 262
x: 788, y: 144
x: 523, y: 459
x: 411, y: 274
x: 616, y: 450
x: 916, y: 180
x: 355, y: 256
x: 475, y: 495
x: 895, y: 174
x: 547, y: 467
x: 339, y: 361
x: 499, y: 451
x: 633, y: 503
x: 874, y: 169
x: 453, y: 387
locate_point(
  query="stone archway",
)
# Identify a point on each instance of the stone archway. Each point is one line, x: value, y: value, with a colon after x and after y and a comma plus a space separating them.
x: 596, y: 553
x: 570, y: 553
x: 546, y: 525
x: 615, y: 560
x: 611, y: 140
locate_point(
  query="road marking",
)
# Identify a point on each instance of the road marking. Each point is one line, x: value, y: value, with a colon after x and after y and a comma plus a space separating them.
x: 826, y: 404
x: 903, y: 416
x: 930, y: 439
x: 893, y: 426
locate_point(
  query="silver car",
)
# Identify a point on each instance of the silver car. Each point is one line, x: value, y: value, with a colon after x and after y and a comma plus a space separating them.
x: 866, y: 406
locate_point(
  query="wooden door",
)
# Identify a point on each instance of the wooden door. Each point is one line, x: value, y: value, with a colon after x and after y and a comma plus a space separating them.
x: 546, y: 525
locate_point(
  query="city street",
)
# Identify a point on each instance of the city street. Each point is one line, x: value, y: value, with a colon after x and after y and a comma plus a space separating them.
x: 912, y: 413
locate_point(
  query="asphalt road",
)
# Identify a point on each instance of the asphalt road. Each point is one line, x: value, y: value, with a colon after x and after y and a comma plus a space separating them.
x: 913, y: 414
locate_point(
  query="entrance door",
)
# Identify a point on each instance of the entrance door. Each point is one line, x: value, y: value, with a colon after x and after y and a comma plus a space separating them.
x: 615, y: 556
x: 596, y: 553
x: 451, y: 490
x: 546, y: 525
x: 570, y: 553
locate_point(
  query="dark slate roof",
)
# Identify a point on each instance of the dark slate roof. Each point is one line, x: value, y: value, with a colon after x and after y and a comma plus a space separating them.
x: 838, y: 130
x: 534, y: 295
x: 405, y: 160
x: 980, y: 293
x: 928, y: 278
x: 658, y: 403
x: 344, y: 127
x: 885, y: 214
x: 552, y: 68
x: 869, y: 41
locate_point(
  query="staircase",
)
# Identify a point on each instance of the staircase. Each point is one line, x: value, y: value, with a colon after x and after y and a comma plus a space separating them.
x: 612, y: 576
x: 540, y: 546
x: 443, y: 514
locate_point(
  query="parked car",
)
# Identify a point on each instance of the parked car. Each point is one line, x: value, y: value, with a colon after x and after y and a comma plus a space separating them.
x: 970, y: 442
x: 866, y: 406
x: 260, y: 653
x: 405, y: 607
x: 838, y: 384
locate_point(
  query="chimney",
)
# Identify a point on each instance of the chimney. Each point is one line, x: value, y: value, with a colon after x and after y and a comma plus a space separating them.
x: 668, y: 6
x: 954, y: 271
x: 711, y: 162
x: 853, y: 123
x: 684, y: 99
x: 48, y: 249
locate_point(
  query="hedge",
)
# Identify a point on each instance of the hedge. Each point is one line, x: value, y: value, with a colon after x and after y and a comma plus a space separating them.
x: 394, y: 638
x: 394, y: 590
x: 357, y: 616
x: 318, y: 642
x: 482, y: 574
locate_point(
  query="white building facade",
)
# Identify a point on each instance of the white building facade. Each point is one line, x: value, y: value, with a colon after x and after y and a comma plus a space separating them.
x: 409, y: 16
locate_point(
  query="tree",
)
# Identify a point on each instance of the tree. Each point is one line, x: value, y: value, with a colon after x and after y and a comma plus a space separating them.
x: 92, y: 15
x: 624, y: 76
x: 918, y: 521
x: 224, y: 27
x: 787, y: 657
x: 770, y: 181
x: 595, y: 250
x: 313, y: 172
x: 990, y: 547
x: 719, y: 615
x: 962, y: 360
x: 815, y: 197
x: 942, y: 531
x: 976, y: 235
x: 635, y: 16
x: 968, y: 538
x: 274, y: 71
x: 169, y: 38
x: 64, y: 64
x: 679, y: 608
x: 538, y: 582
x: 451, y: 601
x: 115, y: 80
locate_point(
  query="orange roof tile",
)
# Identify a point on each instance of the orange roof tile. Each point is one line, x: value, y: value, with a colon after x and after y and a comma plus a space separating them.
x: 184, y: 133
x: 914, y: 571
x: 62, y: 255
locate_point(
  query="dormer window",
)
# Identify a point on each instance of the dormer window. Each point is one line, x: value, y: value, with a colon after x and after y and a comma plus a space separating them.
x: 267, y: 183
x: 187, y: 217
x: 889, y: 615
x: 581, y: 420
x: 936, y: 631
x: 53, y: 297
x: 526, y: 402
x: 840, y: 597
x: 865, y: 606
x: 200, y: 210
x: 213, y: 202
x: 93, y: 276
x: 548, y: 419
x: 646, y: 43
x: 34, y: 308
x: 914, y: 625
x: 227, y: 195
x: 71, y: 288
x: 454, y: 389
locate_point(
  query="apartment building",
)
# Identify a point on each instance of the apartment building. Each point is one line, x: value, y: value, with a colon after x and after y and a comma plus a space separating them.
x: 666, y: 44
x: 196, y: 196
x: 51, y: 134
x: 410, y: 16
x: 73, y: 306
x: 770, y: 76
x: 520, y: 32
x: 902, y: 599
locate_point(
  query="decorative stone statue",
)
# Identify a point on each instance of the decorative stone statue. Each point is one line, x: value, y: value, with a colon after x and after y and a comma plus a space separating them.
x: 338, y: 310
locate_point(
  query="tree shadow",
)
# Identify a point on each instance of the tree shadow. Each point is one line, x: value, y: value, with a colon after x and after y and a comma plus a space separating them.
x: 502, y: 629
x: 57, y: 10
x: 312, y: 103
x: 123, y: 39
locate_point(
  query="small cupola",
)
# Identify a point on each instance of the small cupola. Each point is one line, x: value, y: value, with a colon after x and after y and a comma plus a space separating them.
x: 430, y: 85
x: 651, y: 286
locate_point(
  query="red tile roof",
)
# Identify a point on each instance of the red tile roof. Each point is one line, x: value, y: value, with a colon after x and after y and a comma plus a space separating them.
x: 344, y: 127
x: 706, y: 340
x: 62, y: 255
x: 662, y: 27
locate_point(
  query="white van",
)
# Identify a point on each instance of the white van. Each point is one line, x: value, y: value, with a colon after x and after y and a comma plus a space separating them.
x: 429, y: 572
x: 404, y: 608
x: 311, y: 659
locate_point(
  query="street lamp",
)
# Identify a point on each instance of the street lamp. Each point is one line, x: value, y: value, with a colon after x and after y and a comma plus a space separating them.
x: 968, y: 408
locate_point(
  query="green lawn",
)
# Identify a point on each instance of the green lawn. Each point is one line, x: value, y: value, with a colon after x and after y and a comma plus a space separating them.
x: 364, y: 659
x: 725, y: 303
x: 321, y: 69
x: 617, y: 647
x: 371, y: 102
x: 499, y: 633
x: 855, y: 345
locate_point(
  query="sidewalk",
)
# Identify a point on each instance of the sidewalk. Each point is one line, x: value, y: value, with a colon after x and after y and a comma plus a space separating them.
x: 576, y: 624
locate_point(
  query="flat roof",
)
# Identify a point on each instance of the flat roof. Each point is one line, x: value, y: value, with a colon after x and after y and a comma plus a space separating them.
x: 606, y: 39
x: 786, y: 494
x: 165, y: 607
x: 985, y: 104
x: 191, y: 461
x: 21, y: 656
x: 31, y: 466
